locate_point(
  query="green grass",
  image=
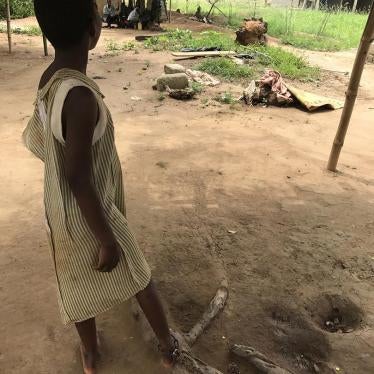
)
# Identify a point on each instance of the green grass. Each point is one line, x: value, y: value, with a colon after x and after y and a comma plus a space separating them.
x: 113, y: 46
x: 226, y: 98
x: 197, y: 88
x: 28, y: 30
x: 301, y: 28
x: 225, y: 68
x: 276, y: 58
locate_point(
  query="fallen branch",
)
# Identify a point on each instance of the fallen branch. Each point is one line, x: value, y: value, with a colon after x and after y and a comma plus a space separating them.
x: 257, y: 359
x: 216, y: 305
x: 193, y: 365
x: 188, y: 364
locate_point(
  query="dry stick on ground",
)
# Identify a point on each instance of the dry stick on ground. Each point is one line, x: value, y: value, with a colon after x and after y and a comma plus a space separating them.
x: 351, y: 94
x: 216, y: 305
x: 257, y: 359
x: 9, y: 30
x: 187, y: 362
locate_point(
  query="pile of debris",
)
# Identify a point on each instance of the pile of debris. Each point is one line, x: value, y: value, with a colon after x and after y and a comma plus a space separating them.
x: 253, y: 31
x: 271, y: 89
x: 176, y: 81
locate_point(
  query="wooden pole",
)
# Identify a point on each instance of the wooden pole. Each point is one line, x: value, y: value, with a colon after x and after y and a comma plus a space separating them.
x: 9, y: 30
x: 45, y: 45
x: 169, y: 11
x: 351, y: 94
x: 354, y: 7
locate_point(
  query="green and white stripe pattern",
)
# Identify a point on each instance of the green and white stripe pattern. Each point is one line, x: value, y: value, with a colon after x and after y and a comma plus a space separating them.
x: 82, y: 291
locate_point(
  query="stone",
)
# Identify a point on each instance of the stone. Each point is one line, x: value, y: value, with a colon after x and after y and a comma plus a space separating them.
x: 174, y: 69
x: 177, y: 81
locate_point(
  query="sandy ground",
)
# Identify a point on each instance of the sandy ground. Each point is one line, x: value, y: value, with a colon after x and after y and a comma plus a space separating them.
x: 194, y: 170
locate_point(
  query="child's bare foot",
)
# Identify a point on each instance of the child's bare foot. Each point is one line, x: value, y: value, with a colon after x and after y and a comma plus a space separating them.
x: 170, y: 352
x: 89, y: 360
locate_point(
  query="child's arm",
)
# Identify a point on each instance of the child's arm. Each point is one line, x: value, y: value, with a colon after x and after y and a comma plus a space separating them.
x: 79, y: 118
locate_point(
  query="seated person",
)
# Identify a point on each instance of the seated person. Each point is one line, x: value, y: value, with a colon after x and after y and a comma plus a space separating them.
x: 110, y: 13
x: 123, y: 14
x: 133, y: 18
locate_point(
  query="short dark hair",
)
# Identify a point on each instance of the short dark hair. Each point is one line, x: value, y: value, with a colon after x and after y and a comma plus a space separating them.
x: 64, y: 22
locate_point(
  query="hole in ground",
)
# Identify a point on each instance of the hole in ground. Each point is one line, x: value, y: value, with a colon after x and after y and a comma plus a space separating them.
x: 335, y: 313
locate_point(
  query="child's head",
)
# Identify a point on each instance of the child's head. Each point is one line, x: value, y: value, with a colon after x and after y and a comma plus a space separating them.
x: 68, y: 23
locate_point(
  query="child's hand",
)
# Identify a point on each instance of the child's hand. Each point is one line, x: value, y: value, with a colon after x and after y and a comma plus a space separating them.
x: 108, y: 258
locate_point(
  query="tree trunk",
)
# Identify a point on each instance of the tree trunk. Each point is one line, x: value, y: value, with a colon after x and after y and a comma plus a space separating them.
x: 351, y: 94
x: 9, y: 30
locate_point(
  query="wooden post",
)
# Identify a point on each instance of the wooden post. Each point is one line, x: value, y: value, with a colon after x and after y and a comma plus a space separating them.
x: 45, y: 45
x: 9, y: 30
x: 317, y: 3
x: 354, y: 5
x: 351, y: 94
x: 169, y: 11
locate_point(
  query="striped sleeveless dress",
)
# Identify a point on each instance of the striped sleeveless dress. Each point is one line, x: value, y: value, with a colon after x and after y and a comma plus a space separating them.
x: 82, y: 291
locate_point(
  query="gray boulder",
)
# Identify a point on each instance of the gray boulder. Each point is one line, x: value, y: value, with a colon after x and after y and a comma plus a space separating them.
x: 174, y: 69
x: 174, y: 81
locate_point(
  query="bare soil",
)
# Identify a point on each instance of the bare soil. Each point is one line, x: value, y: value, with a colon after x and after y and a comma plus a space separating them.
x: 300, y: 264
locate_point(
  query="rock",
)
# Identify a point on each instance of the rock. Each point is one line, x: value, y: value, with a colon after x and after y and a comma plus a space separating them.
x: 174, y: 81
x: 174, y: 69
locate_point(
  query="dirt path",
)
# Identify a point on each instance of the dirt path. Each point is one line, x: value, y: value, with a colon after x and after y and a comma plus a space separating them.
x: 193, y: 172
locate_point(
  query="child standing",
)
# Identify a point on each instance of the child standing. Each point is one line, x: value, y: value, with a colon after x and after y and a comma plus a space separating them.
x: 97, y: 261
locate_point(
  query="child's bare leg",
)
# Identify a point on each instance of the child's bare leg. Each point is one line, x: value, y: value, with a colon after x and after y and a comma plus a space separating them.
x: 150, y: 303
x: 89, y: 347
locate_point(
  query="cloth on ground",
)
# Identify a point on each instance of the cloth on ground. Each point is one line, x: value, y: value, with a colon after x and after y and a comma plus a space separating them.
x: 203, y: 78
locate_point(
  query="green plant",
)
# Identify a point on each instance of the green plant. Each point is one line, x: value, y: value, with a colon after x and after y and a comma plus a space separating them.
x: 113, y: 46
x: 29, y: 30
x: 291, y: 24
x: 276, y: 58
x: 225, y: 98
x: 18, y: 8
x: 225, y: 68
x: 197, y: 87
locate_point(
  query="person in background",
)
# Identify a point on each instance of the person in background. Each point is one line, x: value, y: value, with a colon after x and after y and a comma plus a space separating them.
x: 133, y: 18
x: 110, y: 15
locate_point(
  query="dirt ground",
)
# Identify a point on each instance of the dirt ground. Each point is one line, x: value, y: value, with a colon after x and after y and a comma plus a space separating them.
x: 302, y: 253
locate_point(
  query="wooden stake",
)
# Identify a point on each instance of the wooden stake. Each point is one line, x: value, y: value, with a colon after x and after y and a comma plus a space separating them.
x: 45, y: 45
x: 351, y: 94
x: 354, y: 7
x: 8, y: 26
x: 169, y: 11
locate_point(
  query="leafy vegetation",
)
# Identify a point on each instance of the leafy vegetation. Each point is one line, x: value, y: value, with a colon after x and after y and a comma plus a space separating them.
x: 226, y: 98
x: 285, y: 62
x: 225, y: 68
x: 197, y: 88
x: 113, y: 46
x: 28, y: 30
x: 304, y: 28
x: 18, y: 8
